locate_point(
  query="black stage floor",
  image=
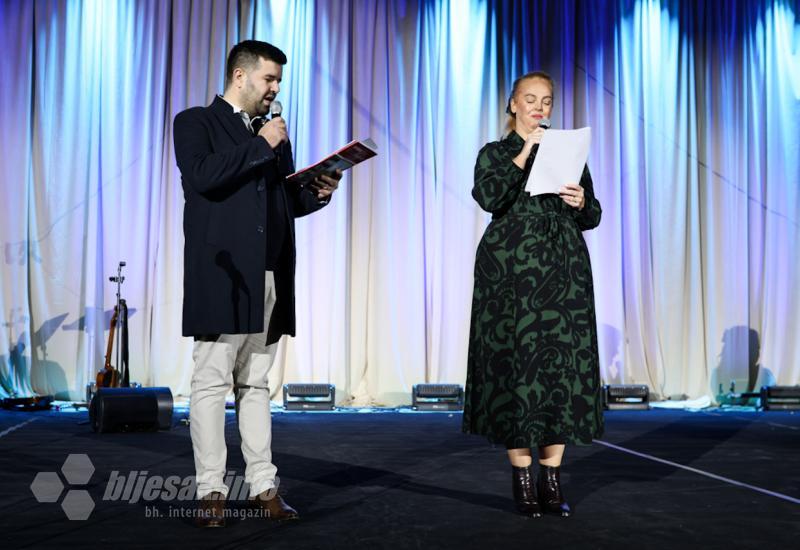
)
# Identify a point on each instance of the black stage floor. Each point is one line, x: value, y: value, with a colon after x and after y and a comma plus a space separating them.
x: 412, y: 480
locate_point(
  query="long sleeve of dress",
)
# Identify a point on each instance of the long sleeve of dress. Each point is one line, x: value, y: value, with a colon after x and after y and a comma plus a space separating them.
x: 498, y: 181
x: 589, y: 217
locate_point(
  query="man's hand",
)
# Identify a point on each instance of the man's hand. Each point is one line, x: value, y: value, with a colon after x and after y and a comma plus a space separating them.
x: 274, y: 131
x: 326, y: 184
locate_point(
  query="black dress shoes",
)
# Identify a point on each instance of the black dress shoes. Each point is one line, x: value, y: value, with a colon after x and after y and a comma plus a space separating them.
x: 549, y: 486
x: 211, y: 511
x: 525, y: 492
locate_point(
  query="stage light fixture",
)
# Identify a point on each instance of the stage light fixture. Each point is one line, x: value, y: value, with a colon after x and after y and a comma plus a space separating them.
x: 780, y: 398
x: 437, y: 397
x: 33, y: 403
x: 309, y: 397
x: 626, y: 397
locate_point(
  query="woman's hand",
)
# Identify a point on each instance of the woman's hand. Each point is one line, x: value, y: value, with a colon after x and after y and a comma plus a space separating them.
x: 572, y: 194
x: 534, y: 138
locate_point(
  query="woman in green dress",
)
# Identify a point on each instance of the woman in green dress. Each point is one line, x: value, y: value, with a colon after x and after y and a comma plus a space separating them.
x: 533, y: 373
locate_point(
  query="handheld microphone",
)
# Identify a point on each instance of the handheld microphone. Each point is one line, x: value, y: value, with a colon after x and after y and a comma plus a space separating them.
x: 275, y: 109
x: 543, y: 123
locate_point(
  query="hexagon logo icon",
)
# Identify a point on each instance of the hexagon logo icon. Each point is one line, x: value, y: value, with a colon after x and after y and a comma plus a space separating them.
x: 78, y: 504
x: 78, y: 469
x: 48, y: 487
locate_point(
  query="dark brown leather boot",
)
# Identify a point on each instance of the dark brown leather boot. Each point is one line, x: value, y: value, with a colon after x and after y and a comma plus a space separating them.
x: 525, y: 492
x: 549, y: 486
x: 211, y: 510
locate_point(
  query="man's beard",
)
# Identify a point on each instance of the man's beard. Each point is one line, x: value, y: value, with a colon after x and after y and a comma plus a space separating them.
x: 259, y: 108
x: 255, y: 101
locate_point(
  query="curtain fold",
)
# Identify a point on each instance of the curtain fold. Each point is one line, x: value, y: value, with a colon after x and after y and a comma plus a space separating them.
x: 695, y: 158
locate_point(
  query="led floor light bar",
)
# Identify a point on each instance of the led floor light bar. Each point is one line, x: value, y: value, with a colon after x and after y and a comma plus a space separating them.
x: 309, y: 397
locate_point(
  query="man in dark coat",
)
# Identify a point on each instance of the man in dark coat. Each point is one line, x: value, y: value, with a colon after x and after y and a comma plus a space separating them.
x: 239, y: 262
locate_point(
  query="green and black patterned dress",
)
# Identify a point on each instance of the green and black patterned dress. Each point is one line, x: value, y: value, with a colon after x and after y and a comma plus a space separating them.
x: 533, y: 372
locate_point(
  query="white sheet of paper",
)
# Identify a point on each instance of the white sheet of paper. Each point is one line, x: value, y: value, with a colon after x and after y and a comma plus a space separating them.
x: 560, y: 160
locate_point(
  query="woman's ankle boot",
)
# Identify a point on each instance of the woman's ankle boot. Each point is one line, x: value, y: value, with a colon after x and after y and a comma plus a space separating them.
x: 549, y: 486
x: 525, y: 492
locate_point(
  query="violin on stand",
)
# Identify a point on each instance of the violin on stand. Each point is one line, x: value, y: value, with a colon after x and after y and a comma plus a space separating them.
x: 108, y: 376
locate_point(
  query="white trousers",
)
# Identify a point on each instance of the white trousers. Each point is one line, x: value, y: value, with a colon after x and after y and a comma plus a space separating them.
x: 241, y: 362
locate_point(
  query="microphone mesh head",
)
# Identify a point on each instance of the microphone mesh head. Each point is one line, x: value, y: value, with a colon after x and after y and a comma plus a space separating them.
x: 544, y: 123
x: 275, y: 109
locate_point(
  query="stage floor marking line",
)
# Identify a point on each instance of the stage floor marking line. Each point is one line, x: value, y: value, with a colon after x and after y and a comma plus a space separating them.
x: 701, y: 472
x: 756, y: 419
x: 17, y: 427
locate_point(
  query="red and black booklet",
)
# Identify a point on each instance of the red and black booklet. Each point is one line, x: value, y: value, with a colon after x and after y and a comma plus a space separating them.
x: 348, y: 156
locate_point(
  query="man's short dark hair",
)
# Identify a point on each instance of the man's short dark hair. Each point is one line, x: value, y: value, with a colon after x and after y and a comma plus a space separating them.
x: 245, y: 55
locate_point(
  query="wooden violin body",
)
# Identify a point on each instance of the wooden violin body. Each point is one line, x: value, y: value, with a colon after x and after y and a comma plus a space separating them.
x: 108, y: 376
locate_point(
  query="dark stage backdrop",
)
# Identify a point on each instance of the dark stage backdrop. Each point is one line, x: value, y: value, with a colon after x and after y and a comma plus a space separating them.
x: 694, y: 109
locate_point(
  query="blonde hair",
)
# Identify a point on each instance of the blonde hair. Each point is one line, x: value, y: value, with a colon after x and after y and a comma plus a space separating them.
x: 511, y: 122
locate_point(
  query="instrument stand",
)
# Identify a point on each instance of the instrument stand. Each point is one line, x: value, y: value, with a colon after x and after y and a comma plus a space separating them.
x: 122, y: 332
